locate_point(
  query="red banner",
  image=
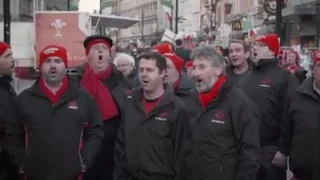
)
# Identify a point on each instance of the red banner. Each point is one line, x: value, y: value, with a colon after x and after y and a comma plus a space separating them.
x: 64, y: 29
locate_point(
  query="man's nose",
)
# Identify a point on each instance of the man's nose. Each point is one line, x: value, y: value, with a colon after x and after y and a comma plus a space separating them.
x: 195, y: 72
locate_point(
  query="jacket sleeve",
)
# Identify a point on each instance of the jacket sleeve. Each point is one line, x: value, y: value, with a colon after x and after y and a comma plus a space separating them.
x: 287, y: 133
x: 16, y: 135
x: 3, y: 108
x: 92, y: 135
x: 245, y: 123
x: 180, y: 134
x: 119, y: 153
x: 286, y: 97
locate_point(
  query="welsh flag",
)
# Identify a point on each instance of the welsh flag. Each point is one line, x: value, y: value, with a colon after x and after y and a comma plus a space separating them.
x: 167, y: 8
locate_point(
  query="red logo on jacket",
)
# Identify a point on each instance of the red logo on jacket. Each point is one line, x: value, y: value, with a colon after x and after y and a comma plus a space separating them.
x: 219, y: 117
x: 266, y: 82
x: 162, y: 116
x: 73, y: 105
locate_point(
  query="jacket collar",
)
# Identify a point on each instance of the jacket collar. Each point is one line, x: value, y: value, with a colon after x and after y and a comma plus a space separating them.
x: 306, y: 88
x: 73, y: 86
x: 166, y: 99
x: 266, y: 63
x: 185, y: 85
x: 5, y: 81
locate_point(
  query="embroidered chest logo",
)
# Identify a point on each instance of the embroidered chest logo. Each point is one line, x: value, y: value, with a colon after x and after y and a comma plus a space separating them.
x: 73, y: 105
x: 219, y: 117
x: 162, y: 116
x: 128, y: 93
x: 266, y: 82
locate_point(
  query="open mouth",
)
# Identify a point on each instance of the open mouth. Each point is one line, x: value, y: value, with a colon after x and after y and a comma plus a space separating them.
x: 198, y: 81
x: 53, y: 71
x: 145, y: 82
x: 234, y: 59
x: 255, y: 54
x: 100, y: 57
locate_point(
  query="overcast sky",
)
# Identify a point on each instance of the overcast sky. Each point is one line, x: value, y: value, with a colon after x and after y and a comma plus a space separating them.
x: 88, y: 5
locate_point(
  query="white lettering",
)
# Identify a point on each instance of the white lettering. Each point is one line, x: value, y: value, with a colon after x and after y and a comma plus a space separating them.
x: 264, y: 85
x: 217, y: 121
x: 161, y: 119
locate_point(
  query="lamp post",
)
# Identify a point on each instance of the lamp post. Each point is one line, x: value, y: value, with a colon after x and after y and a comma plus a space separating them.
x: 68, y: 5
x: 6, y: 21
x: 142, y: 23
x: 279, y: 19
x: 177, y: 16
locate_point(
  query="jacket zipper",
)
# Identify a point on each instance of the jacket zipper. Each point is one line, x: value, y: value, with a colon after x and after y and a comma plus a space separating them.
x: 221, y: 169
x: 83, y: 168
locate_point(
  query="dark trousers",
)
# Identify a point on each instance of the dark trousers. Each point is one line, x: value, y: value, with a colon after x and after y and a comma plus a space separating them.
x: 268, y: 171
x: 7, y: 170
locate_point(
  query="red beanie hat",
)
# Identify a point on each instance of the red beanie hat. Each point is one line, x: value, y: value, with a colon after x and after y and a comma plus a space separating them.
x: 96, y: 41
x: 53, y: 50
x: 163, y: 48
x: 176, y: 60
x: 272, y: 41
x: 3, y: 47
x: 188, y: 64
x: 316, y: 57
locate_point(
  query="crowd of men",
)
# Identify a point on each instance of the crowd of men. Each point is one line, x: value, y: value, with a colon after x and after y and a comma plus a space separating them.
x: 163, y: 114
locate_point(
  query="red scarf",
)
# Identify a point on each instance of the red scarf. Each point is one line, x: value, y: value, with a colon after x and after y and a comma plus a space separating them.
x: 206, y: 98
x: 53, y: 97
x: 92, y: 83
x: 293, y: 68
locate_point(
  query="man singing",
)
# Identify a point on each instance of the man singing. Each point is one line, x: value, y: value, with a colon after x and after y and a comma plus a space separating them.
x: 150, y: 139
x: 224, y: 140
x: 46, y: 136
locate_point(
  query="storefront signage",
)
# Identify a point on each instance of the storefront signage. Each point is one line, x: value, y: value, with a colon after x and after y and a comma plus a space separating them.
x: 236, y: 26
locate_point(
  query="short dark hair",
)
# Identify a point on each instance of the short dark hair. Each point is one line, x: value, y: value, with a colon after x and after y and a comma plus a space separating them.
x: 245, y: 45
x: 178, y: 42
x: 161, y: 62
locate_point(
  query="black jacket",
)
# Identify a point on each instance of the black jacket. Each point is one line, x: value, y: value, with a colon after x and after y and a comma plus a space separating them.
x: 301, y: 137
x: 187, y: 92
x: 133, y: 79
x: 238, y: 79
x: 224, y: 139
x: 7, y: 114
x: 270, y: 87
x: 45, y: 139
x: 7, y: 106
x: 148, y: 146
x: 118, y: 86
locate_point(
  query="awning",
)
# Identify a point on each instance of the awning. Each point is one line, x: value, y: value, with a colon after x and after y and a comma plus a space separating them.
x: 235, y: 18
x: 303, y: 9
x: 106, y: 21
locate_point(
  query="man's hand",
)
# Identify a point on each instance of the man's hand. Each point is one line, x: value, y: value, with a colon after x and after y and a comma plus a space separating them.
x: 279, y: 160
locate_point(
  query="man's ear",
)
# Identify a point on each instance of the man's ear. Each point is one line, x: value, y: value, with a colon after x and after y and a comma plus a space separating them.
x: 218, y: 70
x: 247, y: 55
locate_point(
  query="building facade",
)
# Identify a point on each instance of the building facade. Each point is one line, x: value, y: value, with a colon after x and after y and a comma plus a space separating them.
x: 189, y: 16
x: 149, y: 27
x: 22, y: 10
x: 301, y: 22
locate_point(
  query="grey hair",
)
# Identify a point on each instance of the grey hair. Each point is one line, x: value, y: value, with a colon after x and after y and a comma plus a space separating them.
x: 209, y: 53
x: 124, y: 56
